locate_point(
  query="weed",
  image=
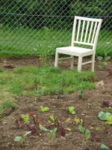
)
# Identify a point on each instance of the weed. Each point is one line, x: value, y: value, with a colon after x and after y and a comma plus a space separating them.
x: 8, y: 104
x: 81, y: 94
x: 15, y: 88
x: 45, y: 80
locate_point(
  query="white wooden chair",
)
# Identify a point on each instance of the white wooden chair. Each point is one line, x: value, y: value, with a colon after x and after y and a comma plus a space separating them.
x: 85, y: 33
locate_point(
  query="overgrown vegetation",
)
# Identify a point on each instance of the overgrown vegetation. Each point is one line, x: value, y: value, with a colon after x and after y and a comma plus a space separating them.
x: 34, y: 81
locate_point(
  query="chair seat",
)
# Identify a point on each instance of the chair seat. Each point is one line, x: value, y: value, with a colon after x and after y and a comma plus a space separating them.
x: 75, y: 51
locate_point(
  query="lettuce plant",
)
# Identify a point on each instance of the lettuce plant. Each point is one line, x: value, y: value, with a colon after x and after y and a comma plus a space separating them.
x: 86, y: 132
x: 44, y: 109
x: 109, y: 120
x: 21, y: 139
x: 78, y: 121
x: 71, y: 110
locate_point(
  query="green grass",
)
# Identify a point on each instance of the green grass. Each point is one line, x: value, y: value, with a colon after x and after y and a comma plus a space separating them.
x: 40, y: 81
x: 24, y: 41
x: 33, y: 81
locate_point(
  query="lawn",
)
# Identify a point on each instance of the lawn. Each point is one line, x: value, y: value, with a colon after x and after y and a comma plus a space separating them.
x: 25, y: 41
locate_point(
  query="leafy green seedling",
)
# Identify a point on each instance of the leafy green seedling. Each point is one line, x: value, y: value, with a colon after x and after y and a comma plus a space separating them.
x: 26, y: 118
x: 43, y: 128
x: 78, y: 121
x: 104, y: 115
x: 53, y: 118
x: 21, y: 139
x: 103, y: 146
x: 27, y: 133
x: 86, y: 132
x: 71, y: 110
x: 109, y: 120
x: 53, y: 132
x: 44, y: 109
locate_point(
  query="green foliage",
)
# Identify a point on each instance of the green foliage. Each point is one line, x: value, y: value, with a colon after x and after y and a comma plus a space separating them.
x: 40, y: 81
x: 103, y: 146
x: 45, y: 80
x: 44, y: 47
x: 26, y: 118
x: 71, y: 110
x: 44, y: 109
x: 18, y: 11
x: 1, y: 70
x: 21, y: 139
x: 15, y: 87
x: 43, y: 128
x: 78, y: 121
x: 109, y: 120
x: 104, y: 115
x: 8, y: 104
x: 86, y: 132
x: 53, y: 131
x: 52, y: 118
x: 26, y: 20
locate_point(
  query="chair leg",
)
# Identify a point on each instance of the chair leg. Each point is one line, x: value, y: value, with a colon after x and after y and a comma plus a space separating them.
x: 93, y: 63
x: 72, y: 62
x: 79, y: 68
x: 56, y: 59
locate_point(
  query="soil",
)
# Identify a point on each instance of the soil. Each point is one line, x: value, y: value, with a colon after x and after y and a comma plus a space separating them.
x: 87, y: 108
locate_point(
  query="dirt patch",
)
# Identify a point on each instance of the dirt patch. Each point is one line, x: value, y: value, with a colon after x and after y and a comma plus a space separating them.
x: 10, y: 63
x: 87, y: 108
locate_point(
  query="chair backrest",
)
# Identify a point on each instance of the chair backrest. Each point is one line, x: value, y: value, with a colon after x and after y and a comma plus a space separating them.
x: 86, y: 31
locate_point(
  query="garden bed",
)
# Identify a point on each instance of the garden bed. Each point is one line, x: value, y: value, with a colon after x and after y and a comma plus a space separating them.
x: 87, y: 108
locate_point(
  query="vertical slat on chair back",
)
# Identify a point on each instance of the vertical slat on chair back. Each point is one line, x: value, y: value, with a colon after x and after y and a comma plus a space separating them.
x: 85, y: 31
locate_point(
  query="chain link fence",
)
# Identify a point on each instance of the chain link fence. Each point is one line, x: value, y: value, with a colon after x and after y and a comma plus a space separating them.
x: 37, y: 27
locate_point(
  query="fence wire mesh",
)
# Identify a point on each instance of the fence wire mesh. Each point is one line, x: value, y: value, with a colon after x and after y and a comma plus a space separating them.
x: 37, y: 27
